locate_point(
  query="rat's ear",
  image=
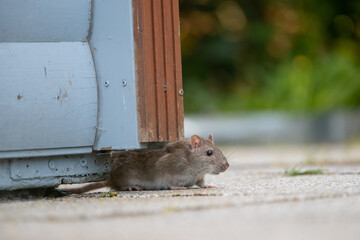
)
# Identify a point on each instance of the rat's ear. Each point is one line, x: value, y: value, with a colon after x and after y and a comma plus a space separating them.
x: 211, y: 139
x: 195, y: 141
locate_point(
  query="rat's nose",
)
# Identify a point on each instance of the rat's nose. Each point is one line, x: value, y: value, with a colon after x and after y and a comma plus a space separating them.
x: 225, y: 166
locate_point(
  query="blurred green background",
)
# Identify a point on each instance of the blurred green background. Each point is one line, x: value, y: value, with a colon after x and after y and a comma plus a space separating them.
x: 294, y: 56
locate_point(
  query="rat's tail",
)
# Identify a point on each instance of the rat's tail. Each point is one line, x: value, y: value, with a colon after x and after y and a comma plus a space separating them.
x: 87, y: 187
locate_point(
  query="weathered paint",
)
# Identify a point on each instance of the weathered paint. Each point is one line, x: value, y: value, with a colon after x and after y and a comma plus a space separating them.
x: 112, y: 45
x: 39, y: 107
x: 44, y: 20
x: 67, y: 78
x: 51, y: 171
x: 45, y: 152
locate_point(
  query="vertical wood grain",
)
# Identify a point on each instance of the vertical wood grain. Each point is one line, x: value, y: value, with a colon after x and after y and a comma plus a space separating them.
x: 177, y: 67
x: 170, y: 77
x: 158, y: 70
x: 159, y: 57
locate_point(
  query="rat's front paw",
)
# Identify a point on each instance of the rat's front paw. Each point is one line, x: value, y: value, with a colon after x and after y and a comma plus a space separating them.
x: 208, y: 186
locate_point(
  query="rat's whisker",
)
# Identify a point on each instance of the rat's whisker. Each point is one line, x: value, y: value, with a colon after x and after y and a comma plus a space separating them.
x: 156, y: 169
x: 230, y: 154
x: 200, y: 169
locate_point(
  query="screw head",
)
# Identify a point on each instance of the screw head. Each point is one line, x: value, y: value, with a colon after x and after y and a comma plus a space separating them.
x: 83, y: 162
x: 181, y: 92
x: 52, y: 164
x: 124, y: 83
x: 106, y: 83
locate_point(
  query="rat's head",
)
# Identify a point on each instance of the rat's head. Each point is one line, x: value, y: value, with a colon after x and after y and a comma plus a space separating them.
x: 209, y: 155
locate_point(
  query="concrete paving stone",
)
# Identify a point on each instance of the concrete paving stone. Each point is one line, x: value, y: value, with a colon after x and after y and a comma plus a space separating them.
x: 251, y: 200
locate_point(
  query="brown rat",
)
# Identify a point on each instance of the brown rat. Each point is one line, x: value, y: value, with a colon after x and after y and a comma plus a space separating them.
x: 181, y: 164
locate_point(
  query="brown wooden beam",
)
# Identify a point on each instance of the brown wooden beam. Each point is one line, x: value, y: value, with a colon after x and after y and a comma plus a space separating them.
x: 158, y: 70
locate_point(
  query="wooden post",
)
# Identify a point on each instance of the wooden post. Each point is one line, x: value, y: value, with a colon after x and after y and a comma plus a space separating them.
x: 158, y: 70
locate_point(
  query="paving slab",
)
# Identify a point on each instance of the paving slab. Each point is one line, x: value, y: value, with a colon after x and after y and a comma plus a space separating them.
x: 254, y: 200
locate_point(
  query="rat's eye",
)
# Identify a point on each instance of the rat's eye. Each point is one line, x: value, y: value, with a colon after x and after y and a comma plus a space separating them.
x: 209, y: 152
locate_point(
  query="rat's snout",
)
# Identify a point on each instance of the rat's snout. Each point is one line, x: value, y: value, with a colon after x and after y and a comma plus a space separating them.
x: 225, y: 165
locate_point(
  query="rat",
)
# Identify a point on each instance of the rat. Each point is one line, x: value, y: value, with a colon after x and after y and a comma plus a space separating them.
x: 179, y: 165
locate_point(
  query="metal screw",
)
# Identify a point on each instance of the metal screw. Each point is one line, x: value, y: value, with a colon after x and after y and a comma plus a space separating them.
x: 52, y: 164
x: 181, y: 92
x: 124, y: 83
x: 83, y: 162
x: 165, y: 88
x: 107, y: 83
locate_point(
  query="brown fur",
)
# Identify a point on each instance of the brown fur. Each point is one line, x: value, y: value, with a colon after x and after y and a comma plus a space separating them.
x: 179, y: 165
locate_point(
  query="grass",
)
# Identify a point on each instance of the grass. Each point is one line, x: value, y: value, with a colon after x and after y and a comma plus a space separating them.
x: 296, y: 172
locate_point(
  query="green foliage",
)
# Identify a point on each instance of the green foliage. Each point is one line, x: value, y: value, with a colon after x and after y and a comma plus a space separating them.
x: 296, y: 172
x: 283, y: 55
